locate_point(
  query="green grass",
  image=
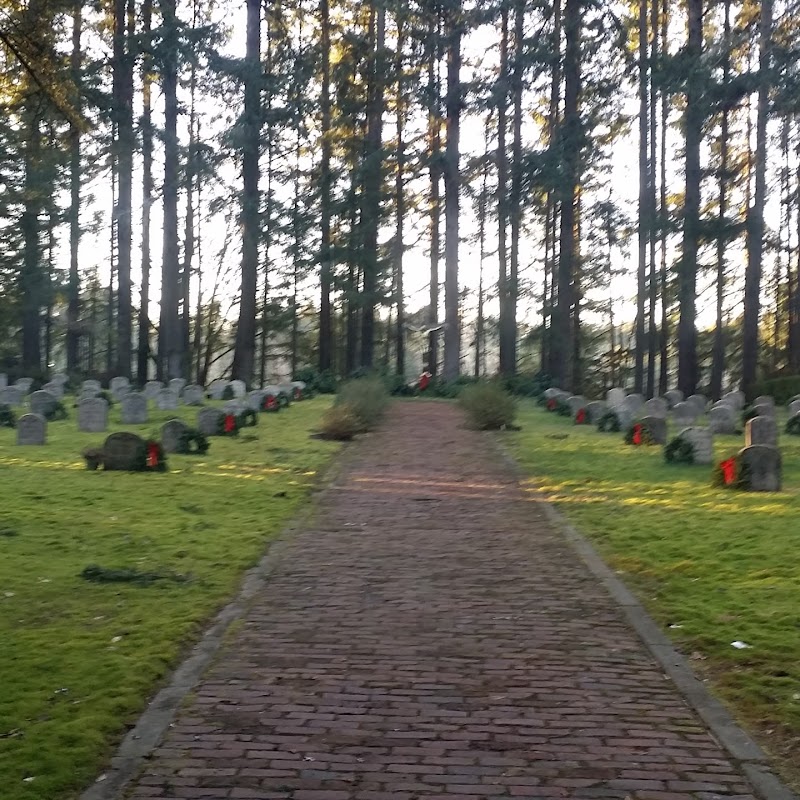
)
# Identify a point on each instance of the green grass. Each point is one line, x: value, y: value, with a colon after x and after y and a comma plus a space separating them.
x: 719, y: 565
x: 78, y: 660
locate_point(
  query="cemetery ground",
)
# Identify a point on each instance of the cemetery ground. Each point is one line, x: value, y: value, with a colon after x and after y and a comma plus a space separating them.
x: 713, y: 566
x: 78, y: 659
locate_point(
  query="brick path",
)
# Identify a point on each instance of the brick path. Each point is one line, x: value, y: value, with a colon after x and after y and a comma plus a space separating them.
x: 432, y: 637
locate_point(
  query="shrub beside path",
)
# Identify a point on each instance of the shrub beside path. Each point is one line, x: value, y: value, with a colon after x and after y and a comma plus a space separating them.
x: 431, y: 636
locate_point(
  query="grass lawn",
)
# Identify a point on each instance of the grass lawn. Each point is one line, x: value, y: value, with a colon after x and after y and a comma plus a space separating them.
x: 78, y: 660
x: 712, y: 565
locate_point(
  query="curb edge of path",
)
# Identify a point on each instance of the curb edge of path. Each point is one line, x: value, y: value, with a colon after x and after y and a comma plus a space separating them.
x: 739, y: 745
x: 145, y: 736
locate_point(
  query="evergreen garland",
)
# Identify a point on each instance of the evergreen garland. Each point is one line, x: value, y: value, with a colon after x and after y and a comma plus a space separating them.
x: 679, y: 451
x: 270, y: 404
x: 228, y: 425
x: 8, y: 418
x: 639, y: 434
x: 56, y: 412
x: 193, y: 442
x: 793, y: 425
x: 247, y: 418
x: 609, y: 423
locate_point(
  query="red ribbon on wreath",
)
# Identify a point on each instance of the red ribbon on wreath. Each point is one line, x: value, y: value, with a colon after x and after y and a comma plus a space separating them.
x: 551, y: 404
x: 637, y: 434
x: 152, y: 455
x: 728, y: 468
x: 424, y: 381
x: 270, y: 403
x: 230, y: 423
x: 297, y: 393
x: 580, y: 417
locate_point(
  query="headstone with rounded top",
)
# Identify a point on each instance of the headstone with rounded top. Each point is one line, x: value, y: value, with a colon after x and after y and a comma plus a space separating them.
x: 92, y: 385
x: 60, y: 377
x: 549, y: 394
x: 764, y: 400
x: 134, y: 409
x: 763, y: 465
x: 761, y: 430
x: 794, y: 408
x: 615, y: 397
x: 255, y: 399
x: 702, y: 441
x: 724, y: 404
x: 657, y: 407
x: 55, y: 389
x: 699, y: 401
x: 11, y: 396
x: 737, y: 399
x: 209, y: 420
x: 234, y: 407
x: 3, y: 380
x: 32, y: 430
x: 43, y: 403
x: 764, y: 410
x: 595, y: 410
x: 673, y: 397
x: 167, y: 400
x: 24, y: 384
x: 177, y: 384
x: 722, y: 420
x: 171, y: 433
x: 239, y: 389
x: 657, y: 428
x: 119, y: 386
x: 796, y: 397
x: 217, y: 389
x: 152, y: 388
x: 685, y: 414
x: 123, y: 451
x: 575, y: 403
x: 89, y: 391
x: 633, y: 403
x: 624, y: 417
x: 193, y: 395
x: 92, y: 415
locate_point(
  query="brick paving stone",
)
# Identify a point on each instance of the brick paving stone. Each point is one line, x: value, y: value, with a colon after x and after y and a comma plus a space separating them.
x: 432, y: 637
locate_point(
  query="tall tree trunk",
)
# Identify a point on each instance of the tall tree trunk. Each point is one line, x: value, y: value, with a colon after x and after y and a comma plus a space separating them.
x: 169, y: 342
x: 755, y: 212
x: 687, y: 272
x: 74, y: 283
x: 400, y: 205
x: 663, y: 374
x: 452, y: 185
x: 325, y: 200
x: 143, y: 354
x: 794, y: 283
x: 371, y: 194
x: 718, y: 357
x: 562, y: 345
x: 644, y: 194
x: 652, y: 209
x: 483, y: 201
x: 112, y: 270
x: 503, y: 287
x: 245, y: 351
x: 123, y: 112
x: 435, y: 145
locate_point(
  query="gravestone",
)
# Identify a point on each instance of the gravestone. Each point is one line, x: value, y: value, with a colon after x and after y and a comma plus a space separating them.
x: 764, y: 467
x: 92, y: 415
x: 657, y: 428
x: 255, y: 399
x: 43, y: 403
x: 217, y: 389
x: 234, y: 407
x: 725, y: 404
x: 673, y: 397
x: 575, y: 402
x: 24, y: 384
x: 87, y: 392
x: 123, y: 451
x: 11, y: 396
x: 177, y: 384
x: 209, y: 420
x: 55, y: 389
x: 134, y: 409
x: 685, y: 414
x: 657, y: 407
x: 722, y: 420
x: 761, y: 430
x: 549, y: 394
x: 171, y: 432
x: 31, y: 429
x: 166, y: 400
x: 764, y: 400
x: 633, y: 403
x: 92, y: 385
x: 764, y: 410
x: 737, y: 399
x: 60, y: 378
x: 3, y: 380
x: 623, y: 416
x: 595, y: 410
x: 702, y: 441
x: 152, y: 388
x: 239, y: 389
x: 699, y: 401
x: 119, y: 386
x: 193, y: 395
x: 615, y: 397
x: 794, y: 408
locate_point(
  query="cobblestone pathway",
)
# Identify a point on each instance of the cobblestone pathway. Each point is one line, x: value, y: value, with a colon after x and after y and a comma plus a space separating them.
x: 432, y: 637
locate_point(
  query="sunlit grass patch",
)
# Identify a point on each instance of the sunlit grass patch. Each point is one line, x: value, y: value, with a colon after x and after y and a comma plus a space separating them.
x: 78, y: 659
x: 712, y: 565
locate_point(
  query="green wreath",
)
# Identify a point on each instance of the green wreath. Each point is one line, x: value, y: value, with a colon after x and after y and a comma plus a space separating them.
x: 228, y: 393
x: 270, y: 404
x: 679, y: 451
x: 8, y: 418
x: 284, y: 400
x: 56, y: 412
x: 192, y: 442
x: 639, y: 434
x: 731, y: 474
x: 792, y: 426
x: 609, y: 423
x: 748, y: 413
x: 247, y: 418
x: 228, y: 425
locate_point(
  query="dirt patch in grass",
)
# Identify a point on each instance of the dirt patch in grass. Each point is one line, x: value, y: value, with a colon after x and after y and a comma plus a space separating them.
x: 79, y: 658
x: 713, y: 566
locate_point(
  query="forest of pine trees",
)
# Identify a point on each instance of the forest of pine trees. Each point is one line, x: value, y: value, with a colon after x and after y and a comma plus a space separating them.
x: 605, y: 193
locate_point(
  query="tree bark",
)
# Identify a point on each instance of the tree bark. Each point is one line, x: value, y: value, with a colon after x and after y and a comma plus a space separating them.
x: 400, y: 205
x: 644, y: 185
x: 503, y: 287
x: 325, y: 200
x: 435, y: 170
x: 652, y: 210
x: 663, y: 372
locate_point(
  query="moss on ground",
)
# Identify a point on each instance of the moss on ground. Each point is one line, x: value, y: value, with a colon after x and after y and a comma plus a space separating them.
x: 712, y: 565
x: 79, y: 659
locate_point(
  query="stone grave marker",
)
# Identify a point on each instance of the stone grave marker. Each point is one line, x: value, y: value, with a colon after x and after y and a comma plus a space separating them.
x: 61, y: 378
x: 657, y: 428
x: 615, y: 397
x: 764, y: 400
x: 123, y: 451
x: 699, y: 401
x: 31, y: 429
x: 152, y: 388
x: 209, y: 420
x: 575, y: 402
x: 595, y: 410
x: 177, y: 384
x: 722, y: 420
x: 702, y: 441
x: 737, y: 399
x: 761, y: 430
x: 255, y: 399
x: 217, y: 389
x: 92, y: 415
x: 119, y: 386
x: 3, y: 380
x: 24, y: 384
x: 239, y: 389
x: 167, y: 400
x: 92, y: 386
x: 193, y: 395
x: 657, y: 407
x: 87, y: 392
x: 171, y: 432
x: 11, y: 396
x: 234, y: 407
x: 794, y: 408
x: 764, y: 467
x: 43, y: 403
x: 549, y: 394
x: 55, y: 389
x: 673, y: 397
x: 134, y: 409
x: 633, y: 403
x: 764, y: 410
x: 685, y: 414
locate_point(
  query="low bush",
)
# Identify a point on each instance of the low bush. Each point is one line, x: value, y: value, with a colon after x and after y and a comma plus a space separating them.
x: 340, y: 423
x: 367, y: 398
x: 782, y: 389
x: 488, y: 406
x: 317, y: 382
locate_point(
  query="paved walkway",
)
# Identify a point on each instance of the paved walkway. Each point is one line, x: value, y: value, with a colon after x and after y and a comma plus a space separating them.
x: 432, y: 637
